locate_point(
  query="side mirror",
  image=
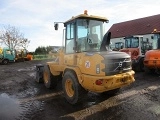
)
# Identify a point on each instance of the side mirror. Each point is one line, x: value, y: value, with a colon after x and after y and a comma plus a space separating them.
x: 56, y: 26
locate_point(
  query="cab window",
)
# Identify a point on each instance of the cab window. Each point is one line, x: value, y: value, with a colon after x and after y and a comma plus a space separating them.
x: 70, y: 38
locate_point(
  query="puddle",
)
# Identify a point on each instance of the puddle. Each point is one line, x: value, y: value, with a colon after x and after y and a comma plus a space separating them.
x: 32, y: 74
x: 27, y: 69
x: 9, y: 107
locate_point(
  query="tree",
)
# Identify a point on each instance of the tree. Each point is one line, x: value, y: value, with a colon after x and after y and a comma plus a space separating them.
x: 40, y: 50
x: 12, y: 38
x: 43, y: 50
x: 24, y: 43
x: 48, y: 49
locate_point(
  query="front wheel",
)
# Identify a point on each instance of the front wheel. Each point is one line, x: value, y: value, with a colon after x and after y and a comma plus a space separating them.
x: 73, y: 91
x: 39, y: 73
x: 50, y: 81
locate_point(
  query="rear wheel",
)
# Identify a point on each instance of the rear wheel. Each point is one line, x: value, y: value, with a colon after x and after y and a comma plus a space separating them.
x: 5, y: 61
x: 50, y: 81
x: 148, y: 71
x: 140, y: 66
x: 73, y: 91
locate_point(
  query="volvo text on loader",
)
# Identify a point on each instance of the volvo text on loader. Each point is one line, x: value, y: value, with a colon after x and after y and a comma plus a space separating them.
x: 86, y: 63
x: 152, y: 57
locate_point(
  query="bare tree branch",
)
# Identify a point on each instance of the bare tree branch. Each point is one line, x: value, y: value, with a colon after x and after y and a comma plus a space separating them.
x: 12, y: 38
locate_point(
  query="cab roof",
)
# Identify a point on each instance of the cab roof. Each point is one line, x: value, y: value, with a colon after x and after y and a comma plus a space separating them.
x: 85, y: 15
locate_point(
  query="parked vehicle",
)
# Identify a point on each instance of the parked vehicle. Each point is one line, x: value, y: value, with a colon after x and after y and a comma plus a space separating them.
x: 136, y: 47
x: 152, y: 57
x: 22, y: 55
x: 86, y: 63
x: 7, y: 55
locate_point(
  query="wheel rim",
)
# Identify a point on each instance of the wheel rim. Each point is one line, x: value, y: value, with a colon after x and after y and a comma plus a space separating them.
x: 69, y: 88
x: 45, y: 77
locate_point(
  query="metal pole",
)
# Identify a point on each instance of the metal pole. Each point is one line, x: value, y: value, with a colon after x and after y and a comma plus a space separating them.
x: 63, y: 37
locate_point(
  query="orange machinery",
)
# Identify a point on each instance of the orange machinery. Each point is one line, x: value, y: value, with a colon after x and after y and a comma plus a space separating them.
x: 152, y: 57
x: 23, y: 55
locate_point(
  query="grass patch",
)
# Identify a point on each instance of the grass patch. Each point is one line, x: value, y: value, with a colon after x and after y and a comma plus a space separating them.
x: 43, y: 57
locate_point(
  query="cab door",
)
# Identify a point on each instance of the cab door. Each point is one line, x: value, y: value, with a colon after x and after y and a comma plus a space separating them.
x: 8, y: 54
x: 70, y: 56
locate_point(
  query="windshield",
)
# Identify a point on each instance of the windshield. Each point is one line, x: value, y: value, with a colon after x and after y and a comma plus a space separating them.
x: 119, y: 45
x: 146, y: 45
x: 155, y: 41
x: 132, y: 42
x: 89, y: 35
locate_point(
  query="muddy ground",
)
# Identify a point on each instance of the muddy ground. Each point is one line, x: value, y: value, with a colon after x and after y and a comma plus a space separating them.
x: 21, y: 98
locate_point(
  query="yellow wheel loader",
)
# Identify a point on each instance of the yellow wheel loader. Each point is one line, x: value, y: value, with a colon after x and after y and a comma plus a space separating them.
x: 86, y: 63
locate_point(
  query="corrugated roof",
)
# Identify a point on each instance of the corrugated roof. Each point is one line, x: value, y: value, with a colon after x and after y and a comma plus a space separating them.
x: 140, y: 26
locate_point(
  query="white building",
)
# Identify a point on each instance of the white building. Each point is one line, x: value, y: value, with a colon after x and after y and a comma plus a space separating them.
x: 140, y: 27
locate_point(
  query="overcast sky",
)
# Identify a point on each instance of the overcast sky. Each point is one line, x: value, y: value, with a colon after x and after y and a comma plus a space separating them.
x: 35, y: 18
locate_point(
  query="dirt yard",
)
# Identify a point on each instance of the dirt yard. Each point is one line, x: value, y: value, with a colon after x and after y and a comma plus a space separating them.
x: 21, y: 98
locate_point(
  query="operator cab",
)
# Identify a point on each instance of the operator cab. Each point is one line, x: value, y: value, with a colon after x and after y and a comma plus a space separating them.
x: 138, y: 42
x: 155, y: 39
x: 84, y: 33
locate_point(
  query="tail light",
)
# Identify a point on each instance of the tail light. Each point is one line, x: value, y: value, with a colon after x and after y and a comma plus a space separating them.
x: 99, y: 82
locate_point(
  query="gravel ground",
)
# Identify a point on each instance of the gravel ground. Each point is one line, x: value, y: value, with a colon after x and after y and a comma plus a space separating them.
x: 21, y: 98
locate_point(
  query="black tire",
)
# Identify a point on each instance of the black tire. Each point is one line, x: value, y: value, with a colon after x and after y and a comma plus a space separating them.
x: 26, y: 59
x: 39, y: 74
x: 148, y: 71
x: 73, y: 91
x: 23, y: 60
x: 50, y: 81
x: 140, y: 66
x: 5, y: 62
